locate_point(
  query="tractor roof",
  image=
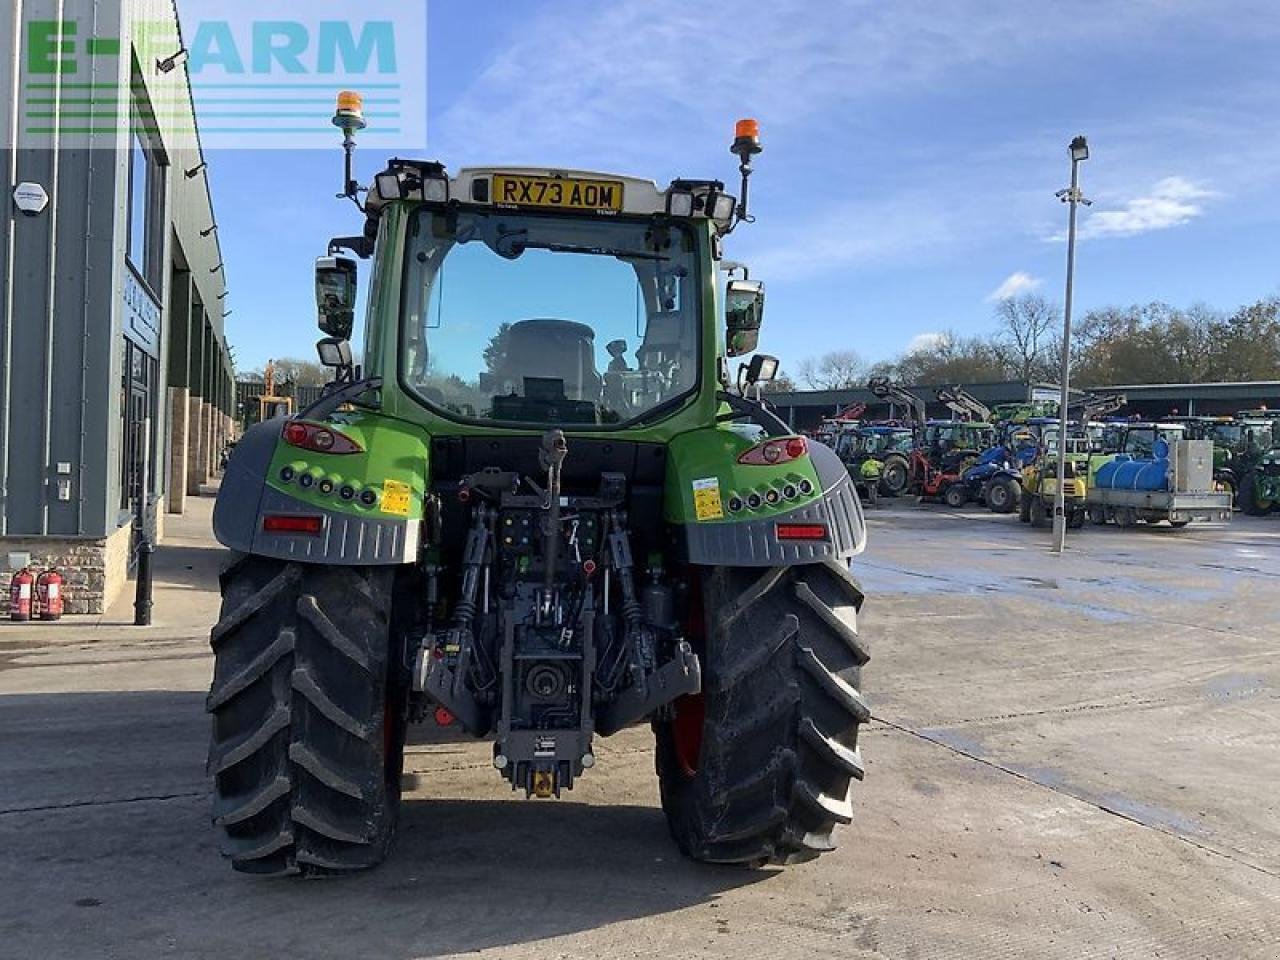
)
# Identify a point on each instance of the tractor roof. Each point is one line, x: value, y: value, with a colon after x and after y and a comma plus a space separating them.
x: 552, y: 189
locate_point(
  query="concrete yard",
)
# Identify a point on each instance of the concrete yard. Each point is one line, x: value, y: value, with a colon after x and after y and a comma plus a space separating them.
x: 1072, y: 757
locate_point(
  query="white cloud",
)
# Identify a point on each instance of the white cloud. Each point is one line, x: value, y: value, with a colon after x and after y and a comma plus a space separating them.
x: 638, y: 83
x: 925, y: 341
x: 630, y: 89
x: 1172, y: 202
x: 1016, y: 283
x: 866, y: 232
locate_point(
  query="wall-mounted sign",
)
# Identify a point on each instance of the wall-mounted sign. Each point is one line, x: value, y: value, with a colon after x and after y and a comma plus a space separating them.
x: 30, y: 198
x: 141, y: 315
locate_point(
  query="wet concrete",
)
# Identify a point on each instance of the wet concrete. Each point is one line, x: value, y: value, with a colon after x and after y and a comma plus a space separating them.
x: 1072, y: 757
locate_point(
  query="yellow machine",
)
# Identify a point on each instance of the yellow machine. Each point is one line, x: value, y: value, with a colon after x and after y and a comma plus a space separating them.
x: 1040, y: 483
x: 271, y: 406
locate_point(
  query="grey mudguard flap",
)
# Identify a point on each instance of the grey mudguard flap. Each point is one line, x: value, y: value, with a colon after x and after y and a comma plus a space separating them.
x: 345, y: 539
x: 754, y: 543
x: 235, y: 515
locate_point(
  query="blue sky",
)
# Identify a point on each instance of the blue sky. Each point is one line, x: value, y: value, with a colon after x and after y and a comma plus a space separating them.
x: 912, y: 151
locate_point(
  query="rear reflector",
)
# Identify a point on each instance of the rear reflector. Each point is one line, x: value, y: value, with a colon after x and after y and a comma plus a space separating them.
x: 801, y: 531
x: 292, y: 523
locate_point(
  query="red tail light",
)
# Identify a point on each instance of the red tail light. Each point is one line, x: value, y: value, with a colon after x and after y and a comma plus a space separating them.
x: 801, y: 531
x: 292, y: 523
x: 321, y: 439
x: 772, y: 452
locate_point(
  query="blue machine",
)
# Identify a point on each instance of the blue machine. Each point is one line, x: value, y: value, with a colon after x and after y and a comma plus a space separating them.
x: 1127, y: 473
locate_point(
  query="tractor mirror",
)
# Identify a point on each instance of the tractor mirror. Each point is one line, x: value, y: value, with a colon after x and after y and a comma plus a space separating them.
x: 336, y: 295
x: 743, y: 314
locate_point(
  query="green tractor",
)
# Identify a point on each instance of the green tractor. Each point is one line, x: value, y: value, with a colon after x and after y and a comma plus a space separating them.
x: 865, y: 452
x: 537, y: 509
x: 1259, y: 492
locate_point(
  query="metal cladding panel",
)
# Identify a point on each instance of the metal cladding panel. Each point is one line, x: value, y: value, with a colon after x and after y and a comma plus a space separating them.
x: 59, y: 370
x: 63, y: 279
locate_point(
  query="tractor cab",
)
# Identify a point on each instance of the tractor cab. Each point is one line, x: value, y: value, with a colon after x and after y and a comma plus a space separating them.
x: 1138, y: 438
x: 542, y: 316
x: 877, y: 441
x: 947, y: 440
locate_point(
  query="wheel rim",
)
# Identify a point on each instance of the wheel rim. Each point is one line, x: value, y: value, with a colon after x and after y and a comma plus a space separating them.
x: 999, y: 496
x: 895, y: 476
x: 686, y: 732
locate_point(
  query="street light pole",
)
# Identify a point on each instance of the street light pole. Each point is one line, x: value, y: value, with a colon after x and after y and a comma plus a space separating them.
x: 1079, y: 149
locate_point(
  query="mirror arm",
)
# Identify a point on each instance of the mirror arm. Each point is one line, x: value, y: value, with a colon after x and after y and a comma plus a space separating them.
x: 362, y: 247
x: 333, y: 400
x: 757, y: 413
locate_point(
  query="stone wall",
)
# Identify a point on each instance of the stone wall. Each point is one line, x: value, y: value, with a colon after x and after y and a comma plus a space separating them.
x: 196, y: 444
x: 95, y: 570
x: 179, y: 415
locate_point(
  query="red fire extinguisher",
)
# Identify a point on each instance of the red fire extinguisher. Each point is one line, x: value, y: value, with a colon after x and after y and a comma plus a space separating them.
x: 49, y: 595
x: 20, y: 595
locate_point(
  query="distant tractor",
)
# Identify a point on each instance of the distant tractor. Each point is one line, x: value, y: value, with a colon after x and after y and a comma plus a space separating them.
x: 540, y: 509
x: 1239, y: 445
x: 867, y: 450
x: 1260, y: 483
x: 941, y: 449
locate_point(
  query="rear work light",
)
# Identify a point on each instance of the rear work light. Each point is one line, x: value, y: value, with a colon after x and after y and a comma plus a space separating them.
x: 801, y: 531
x: 292, y: 523
x: 772, y: 452
x: 321, y: 439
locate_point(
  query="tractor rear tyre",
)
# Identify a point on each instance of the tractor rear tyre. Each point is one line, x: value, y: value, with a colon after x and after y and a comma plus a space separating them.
x: 1024, y: 507
x: 1250, y: 502
x: 308, y: 717
x: 756, y: 769
x: 1037, y: 514
x: 1003, y: 495
x: 895, y: 475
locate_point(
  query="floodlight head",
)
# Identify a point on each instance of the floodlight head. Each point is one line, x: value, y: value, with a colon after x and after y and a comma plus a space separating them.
x: 168, y: 64
x: 1079, y: 149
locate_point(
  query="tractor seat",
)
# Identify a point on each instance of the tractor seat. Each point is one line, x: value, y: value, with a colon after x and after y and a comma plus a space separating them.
x: 551, y: 349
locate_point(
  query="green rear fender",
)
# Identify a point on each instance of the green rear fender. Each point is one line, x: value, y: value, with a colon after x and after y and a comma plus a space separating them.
x: 369, y: 503
x: 726, y: 512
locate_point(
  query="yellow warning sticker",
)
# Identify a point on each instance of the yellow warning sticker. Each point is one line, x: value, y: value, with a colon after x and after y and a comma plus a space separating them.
x: 706, y: 499
x: 396, y: 497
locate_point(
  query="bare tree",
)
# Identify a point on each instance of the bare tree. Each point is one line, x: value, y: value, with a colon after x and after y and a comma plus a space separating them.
x: 838, y: 370
x: 300, y: 373
x: 1025, y: 336
x: 951, y: 359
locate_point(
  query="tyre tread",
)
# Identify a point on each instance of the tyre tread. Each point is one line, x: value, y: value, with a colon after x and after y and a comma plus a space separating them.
x: 302, y: 782
x: 780, y: 741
